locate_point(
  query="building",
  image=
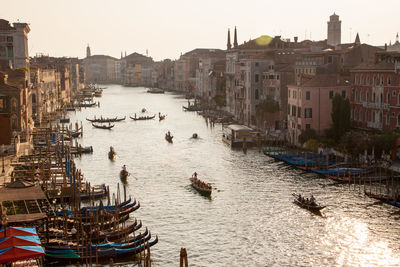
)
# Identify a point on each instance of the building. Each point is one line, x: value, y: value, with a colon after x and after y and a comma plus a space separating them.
x: 136, y: 70
x: 334, y: 30
x: 375, y: 98
x: 310, y: 103
x: 14, y: 44
x: 15, y: 120
x: 100, y: 69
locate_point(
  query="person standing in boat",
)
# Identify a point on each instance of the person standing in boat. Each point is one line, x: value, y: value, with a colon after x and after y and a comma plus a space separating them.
x: 124, y: 168
x: 312, y: 200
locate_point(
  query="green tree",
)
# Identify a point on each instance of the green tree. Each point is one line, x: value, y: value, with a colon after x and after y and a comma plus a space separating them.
x: 307, y: 135
x: 340, y: 116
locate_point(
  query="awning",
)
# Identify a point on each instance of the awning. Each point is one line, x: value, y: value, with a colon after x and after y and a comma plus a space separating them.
x: 16, y: 241
x: 19, y: 243
x: 20, y: 253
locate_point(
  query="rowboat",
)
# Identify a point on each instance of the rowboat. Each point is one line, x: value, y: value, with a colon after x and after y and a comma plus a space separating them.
x: 306, y: 205
x: 123, y: 174
x: 169, y: 137
x: 203, y: 188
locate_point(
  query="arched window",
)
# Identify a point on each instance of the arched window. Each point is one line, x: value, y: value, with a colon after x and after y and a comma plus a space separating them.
x: 374, y: 81
x: 361, y: 79
x: 389, y: 80
x: 367, y: 83
x: 355, y: 96
x: 361, y: 96
x: 381, y: 79
x: 367, y: 97
x: 373, y: 97
x: 355, y: 79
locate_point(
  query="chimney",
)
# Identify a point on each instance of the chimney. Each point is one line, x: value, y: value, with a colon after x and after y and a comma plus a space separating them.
x: 295, y: 39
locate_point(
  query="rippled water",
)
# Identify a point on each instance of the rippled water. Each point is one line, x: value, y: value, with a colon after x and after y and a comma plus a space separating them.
x: 250, y: 219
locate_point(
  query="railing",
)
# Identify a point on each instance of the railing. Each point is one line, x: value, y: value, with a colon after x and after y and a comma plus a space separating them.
x: 375, y: 125
x: 376, y: 105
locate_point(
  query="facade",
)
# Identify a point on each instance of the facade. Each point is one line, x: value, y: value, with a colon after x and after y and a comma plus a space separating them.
x: 14, y: 108
x: 310, y: 103
x: 375, y: 97
x: 14, y: 44
x: 165, y: 76
x: 136, y: 70
x: 334, y: 30
x: 100, y: 69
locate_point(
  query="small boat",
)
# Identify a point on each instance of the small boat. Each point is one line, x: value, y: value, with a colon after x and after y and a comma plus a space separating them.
x: 192, y: 108
x: 86, y: 105
x: 202, y: 187
x: 169, y: 137
x: 143, y: 110
x: 194, y: 135
x: 141, y: 118
x: 161, y: 117
x: 155, y: 91
x: 111, y: 153
x: 124, y: 174
x: 306, y: 204
x: 105, y: 120
x: 101, y: 126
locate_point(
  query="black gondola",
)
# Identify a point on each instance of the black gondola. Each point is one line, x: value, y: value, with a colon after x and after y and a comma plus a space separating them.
x: 101, y: 126
x: 169, y: 137
x: 306, y: 204
x: 141, y: 118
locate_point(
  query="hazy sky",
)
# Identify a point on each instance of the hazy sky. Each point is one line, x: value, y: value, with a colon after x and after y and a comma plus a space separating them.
x: 168, y: 28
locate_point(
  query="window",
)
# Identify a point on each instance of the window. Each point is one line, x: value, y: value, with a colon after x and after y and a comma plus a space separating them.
x: 308, y: 126
x: 256, y: 77
x: 294, y: 111
x: 355, y: 79
x: 13, y: 105
x: 389, y: 80
x: 299, y: 126
x: 381, y: 79
x: 9, y: 39
x: 288, y: 109
x: 330, y: 94
x: 308, y: 95
x: 367, y: 82
x: 299, y: 112
x: 361, y: 79
x: 393, y: 93
x: 288, y: 93
x: 398, y: 120
x: 256, y: 64
x: 373, y: 97
x: 277, y: 77
x: 14, y: 121
x: 294, y: 94
x: 10, y: 51
x: 387, y: 119
x: 388, y: 98
x: 308, y: 113
x: 3, y: 51
x: 256, y: 94
x: 330, y: 59
x: 361, y: 96
x: 344, y: 94
x: 366, y: 97
x: 355, y: 96
x: 374, y: 81
x: 373, y: 116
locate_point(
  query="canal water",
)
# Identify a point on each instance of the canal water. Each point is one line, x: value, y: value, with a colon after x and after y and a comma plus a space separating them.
x: 250, y: 219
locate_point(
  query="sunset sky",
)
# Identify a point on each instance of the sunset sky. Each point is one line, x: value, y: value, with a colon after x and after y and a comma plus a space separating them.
x: 169, y: 28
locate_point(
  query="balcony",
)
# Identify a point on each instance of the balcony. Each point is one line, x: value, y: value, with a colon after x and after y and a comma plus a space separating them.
x: 380, y: 106
x: 374, y: 125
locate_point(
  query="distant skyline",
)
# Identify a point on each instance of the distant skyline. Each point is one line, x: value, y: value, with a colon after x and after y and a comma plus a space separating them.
x: 168, y: 28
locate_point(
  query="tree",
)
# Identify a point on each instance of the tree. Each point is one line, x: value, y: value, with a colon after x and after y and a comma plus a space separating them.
x: 340, y: 116
x: 307, y: 135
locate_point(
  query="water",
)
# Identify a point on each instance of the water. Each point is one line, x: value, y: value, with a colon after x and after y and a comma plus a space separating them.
x: 250, y: 219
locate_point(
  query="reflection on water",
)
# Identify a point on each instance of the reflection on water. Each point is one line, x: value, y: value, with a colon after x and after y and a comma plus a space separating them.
x: 250, y: 219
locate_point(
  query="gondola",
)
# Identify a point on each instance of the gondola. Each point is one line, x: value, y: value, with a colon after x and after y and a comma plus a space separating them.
x: 69, y: 255
x: 306, y: 205
x: 111, y: 155
x: 74, y: 134
x: 109, y: 207
x: 203, y: 188
x: 86, y: 105
x: 105, y: 120
x: 141, y: 118
x: 107, y: 127
x: 161, y: 117
x: 59, y: 244
x: 123, y: 174
x: 169, y: 137
x: 192, y: 108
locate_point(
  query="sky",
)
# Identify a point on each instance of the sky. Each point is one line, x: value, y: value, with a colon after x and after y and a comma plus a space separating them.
x: 169, y: 28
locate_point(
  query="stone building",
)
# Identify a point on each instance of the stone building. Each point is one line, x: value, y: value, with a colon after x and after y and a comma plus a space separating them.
x: 375, y: 96
x: 100, y: 69
x: 334, y: 30
x: 14, y: 44
x: 310, y: 103
x: 136, y: 70
x: 15, y: 120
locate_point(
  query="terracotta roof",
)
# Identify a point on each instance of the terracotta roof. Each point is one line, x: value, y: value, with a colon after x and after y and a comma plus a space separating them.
x: 377, y: 66
x: 5, y: 25
x: 324, y: 80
